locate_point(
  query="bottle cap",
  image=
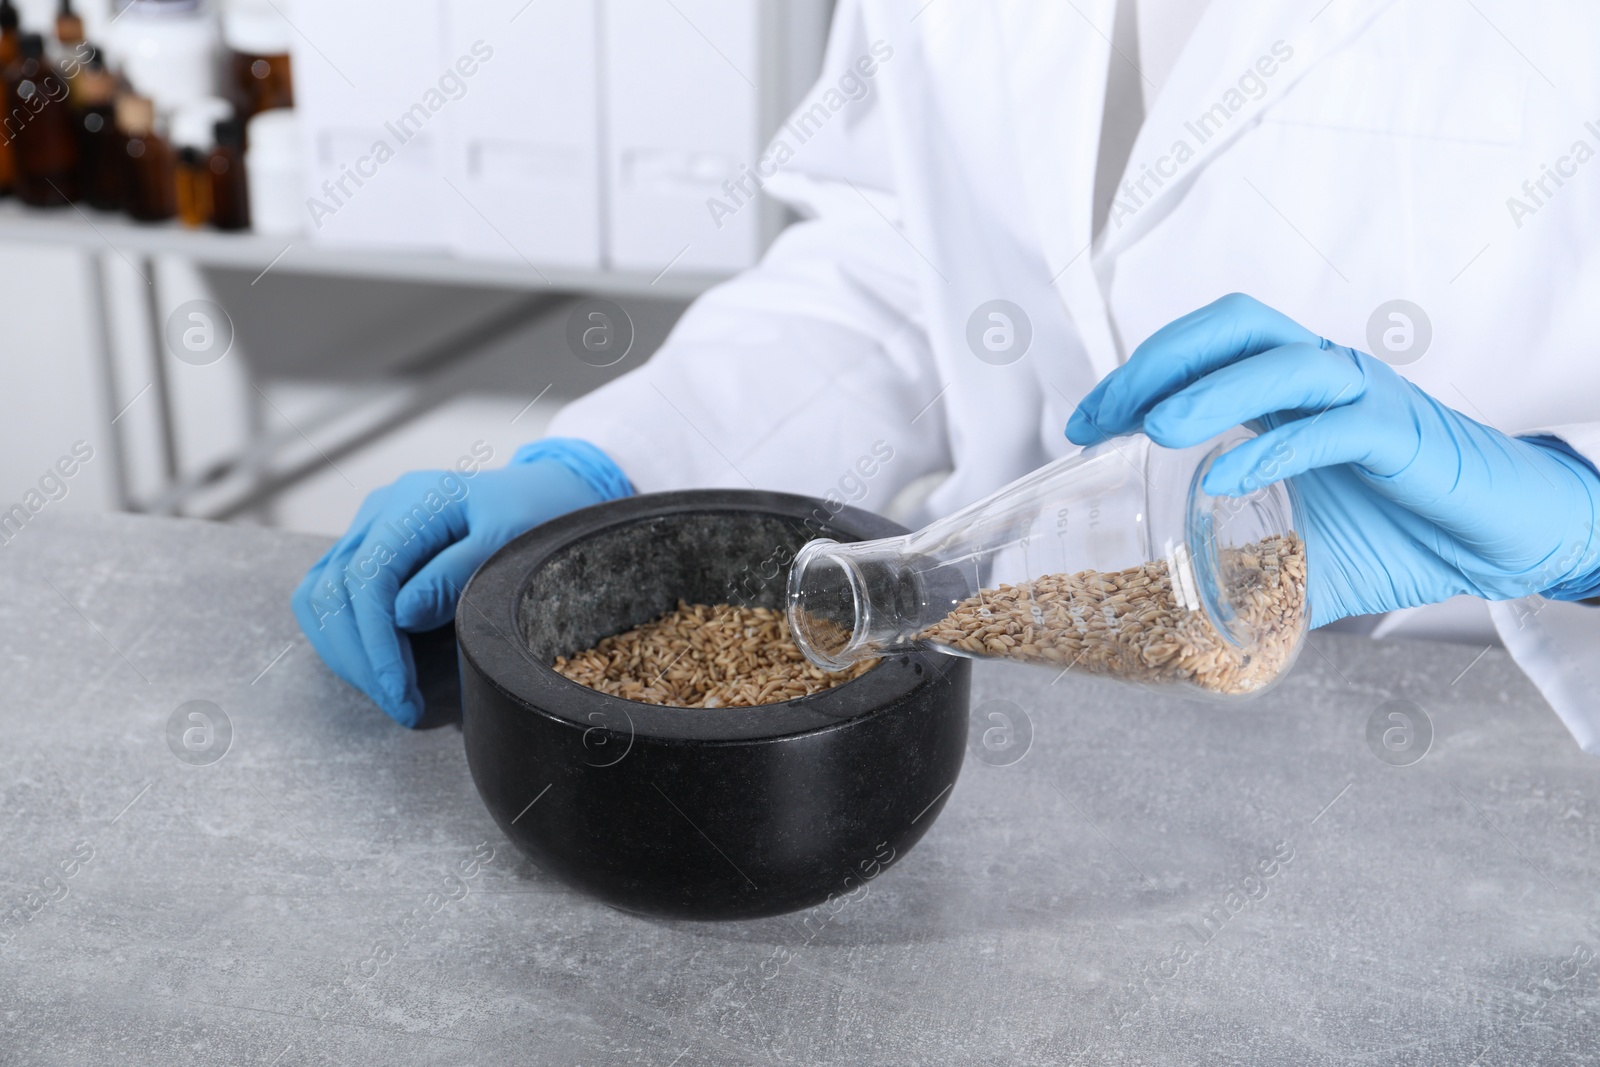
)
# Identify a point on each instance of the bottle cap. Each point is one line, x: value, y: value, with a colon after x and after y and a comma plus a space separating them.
x: 66, y: 9
x: 96, y: 86
x: 32, y: 46
x: 69, y: 30
x: 136, y: 115
x: 9, y: 19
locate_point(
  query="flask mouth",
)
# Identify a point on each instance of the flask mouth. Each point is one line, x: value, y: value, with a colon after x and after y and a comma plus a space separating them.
x: 1216, y: 522
x: 827, y: 606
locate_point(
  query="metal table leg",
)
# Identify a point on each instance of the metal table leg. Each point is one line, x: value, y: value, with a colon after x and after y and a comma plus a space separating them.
x: 100, y: 341
x: 158, y: 368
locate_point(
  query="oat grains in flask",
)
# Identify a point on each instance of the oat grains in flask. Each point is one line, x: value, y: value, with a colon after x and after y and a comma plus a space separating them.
x: 1113, y: 562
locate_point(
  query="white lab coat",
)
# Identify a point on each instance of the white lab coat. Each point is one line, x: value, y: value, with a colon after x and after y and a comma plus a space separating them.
x: 1377, y: 160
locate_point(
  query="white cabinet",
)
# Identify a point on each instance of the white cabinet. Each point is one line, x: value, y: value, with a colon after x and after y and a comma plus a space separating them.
x: 683, y: 117
x: 373, y: 121
x: 589, y: 134
x: 523, y: 160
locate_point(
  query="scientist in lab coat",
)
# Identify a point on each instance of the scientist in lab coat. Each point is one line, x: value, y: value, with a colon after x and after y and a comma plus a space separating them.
x: 1021, y: 226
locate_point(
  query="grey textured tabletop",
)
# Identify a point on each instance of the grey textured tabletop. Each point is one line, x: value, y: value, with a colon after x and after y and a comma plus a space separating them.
x: 1153, y: 881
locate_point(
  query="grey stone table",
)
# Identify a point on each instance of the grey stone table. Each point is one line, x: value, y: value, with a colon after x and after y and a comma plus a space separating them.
x: 1153, y: 881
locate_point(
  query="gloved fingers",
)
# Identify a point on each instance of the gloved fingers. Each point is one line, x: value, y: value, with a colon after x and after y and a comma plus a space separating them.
x: 1083, y: 425
x: 347, y: 608
x: 378, y: 568
x: 339, y: 646
x: 1224, y: 331
x: 1294, y: 377
x: 428, y: 600
x: 322, y: 603
x: 509, y: 502
x: 1324, y: 439
x: 322, y: 606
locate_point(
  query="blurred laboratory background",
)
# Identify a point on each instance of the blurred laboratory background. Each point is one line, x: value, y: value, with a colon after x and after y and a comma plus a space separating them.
x: 260, y: 257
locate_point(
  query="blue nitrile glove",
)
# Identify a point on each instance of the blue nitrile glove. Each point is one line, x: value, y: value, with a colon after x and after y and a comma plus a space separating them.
x: 414, y: 544
x: 1406, y: 502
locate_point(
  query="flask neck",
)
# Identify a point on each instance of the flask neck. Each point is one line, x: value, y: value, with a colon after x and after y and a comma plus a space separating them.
x: 853, y: 602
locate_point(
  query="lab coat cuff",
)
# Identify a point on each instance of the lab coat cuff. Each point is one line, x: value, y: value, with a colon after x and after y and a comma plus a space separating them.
x: 583, y: 459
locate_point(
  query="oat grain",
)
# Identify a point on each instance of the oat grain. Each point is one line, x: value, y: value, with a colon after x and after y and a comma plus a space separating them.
x: 699, y: 656
x: 1129, y: 624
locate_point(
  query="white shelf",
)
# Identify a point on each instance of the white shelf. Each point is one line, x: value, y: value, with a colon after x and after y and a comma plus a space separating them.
x: 91, y: 230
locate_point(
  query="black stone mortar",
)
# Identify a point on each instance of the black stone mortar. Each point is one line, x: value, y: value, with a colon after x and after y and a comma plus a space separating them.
x: 713, y: 813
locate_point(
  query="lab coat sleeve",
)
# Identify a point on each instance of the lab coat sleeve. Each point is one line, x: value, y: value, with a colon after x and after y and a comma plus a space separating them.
x: 1555, y: 642
x: 811, y: 372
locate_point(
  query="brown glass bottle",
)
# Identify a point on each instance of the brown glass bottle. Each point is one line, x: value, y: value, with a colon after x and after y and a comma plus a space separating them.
x: 10, y: 52
x: 99, y: 146
x: 10, y: 33
x: 193, y: 187
x: 149, y: 182
x: 40, y: 125
x: 230, y: 193
x: 259, y: 83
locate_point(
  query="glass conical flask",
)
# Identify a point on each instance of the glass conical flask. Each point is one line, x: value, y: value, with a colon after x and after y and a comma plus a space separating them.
x: 1113, y: 561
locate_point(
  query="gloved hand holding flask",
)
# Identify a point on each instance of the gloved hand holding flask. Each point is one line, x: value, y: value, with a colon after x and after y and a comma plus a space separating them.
x: 1186, y: 549
x: 1406, y: 501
